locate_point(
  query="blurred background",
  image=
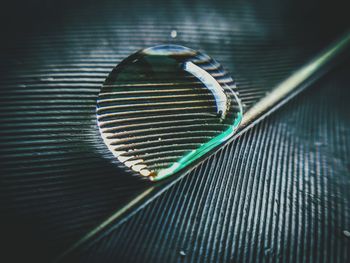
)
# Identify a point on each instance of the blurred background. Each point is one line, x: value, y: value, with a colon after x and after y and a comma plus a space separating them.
x: 280, y: 193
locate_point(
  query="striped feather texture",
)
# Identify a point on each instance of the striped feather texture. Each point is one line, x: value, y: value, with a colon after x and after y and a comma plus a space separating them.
x: 278, y: 194
x: 58, y: 179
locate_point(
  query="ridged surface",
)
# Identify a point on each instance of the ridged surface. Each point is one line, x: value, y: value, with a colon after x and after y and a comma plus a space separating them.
x: 277, y: 194
x: 58, y: 180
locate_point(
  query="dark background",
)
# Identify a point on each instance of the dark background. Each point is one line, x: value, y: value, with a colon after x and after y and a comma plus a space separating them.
x: 279, y: 193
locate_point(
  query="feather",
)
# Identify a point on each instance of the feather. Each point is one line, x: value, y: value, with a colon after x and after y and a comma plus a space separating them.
x: 58, y: 180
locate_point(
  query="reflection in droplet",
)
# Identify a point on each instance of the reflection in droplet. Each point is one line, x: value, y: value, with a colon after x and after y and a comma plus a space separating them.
x: 208, y: 80
x: 163, y: 108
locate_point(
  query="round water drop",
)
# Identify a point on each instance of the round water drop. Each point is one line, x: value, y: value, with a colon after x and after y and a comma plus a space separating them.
x: 168, y: 106
x: 173, y: 33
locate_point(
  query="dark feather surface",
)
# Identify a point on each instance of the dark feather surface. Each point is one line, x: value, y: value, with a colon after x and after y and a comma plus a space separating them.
x: 277, y: 194
x: 58, y: 180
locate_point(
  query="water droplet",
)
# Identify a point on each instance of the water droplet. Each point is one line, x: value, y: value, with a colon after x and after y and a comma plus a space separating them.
x: 173, y: 33
x: 163, y: 108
